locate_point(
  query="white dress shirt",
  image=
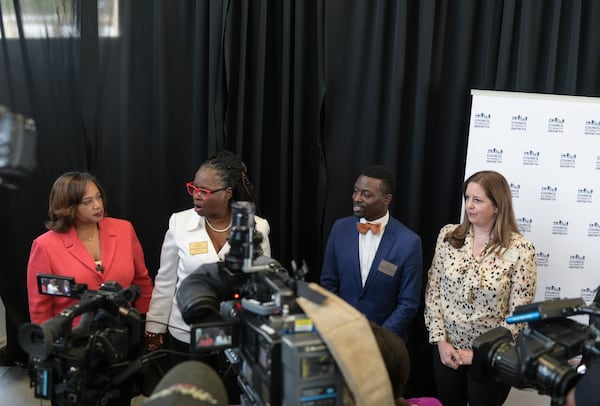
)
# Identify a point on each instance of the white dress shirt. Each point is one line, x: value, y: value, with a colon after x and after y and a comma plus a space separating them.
x: 185, y: 248
x: 368, y: 244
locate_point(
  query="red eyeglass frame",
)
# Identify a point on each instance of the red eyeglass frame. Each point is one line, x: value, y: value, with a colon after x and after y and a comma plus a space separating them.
x: 193, y: 190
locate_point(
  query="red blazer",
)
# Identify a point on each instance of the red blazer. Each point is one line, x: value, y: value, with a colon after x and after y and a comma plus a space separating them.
x: 64, y: 254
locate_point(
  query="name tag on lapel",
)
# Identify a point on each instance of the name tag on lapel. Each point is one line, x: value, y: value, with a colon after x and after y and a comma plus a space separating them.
x: 511, y: 255
x: 387, y: 268
x: 200, y: 247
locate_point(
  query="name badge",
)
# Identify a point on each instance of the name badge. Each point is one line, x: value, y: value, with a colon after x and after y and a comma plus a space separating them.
x: 511, y: 255
x: 200, y: 247
x: 387, y: 268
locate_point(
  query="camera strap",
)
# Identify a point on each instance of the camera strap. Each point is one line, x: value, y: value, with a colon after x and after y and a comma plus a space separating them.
x: 350, y: 340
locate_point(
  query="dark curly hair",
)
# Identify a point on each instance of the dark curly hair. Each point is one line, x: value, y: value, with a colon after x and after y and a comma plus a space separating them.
x: 395, y: 357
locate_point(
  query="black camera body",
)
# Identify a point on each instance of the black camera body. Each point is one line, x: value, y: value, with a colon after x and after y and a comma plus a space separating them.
x: 549, y: 355
x: 76, y: 357
x: 272, y: 346
x: 18, y: 144
x: 280, y: 366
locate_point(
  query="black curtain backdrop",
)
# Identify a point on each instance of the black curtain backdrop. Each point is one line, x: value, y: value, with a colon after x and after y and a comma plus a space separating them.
x: 306, y: 92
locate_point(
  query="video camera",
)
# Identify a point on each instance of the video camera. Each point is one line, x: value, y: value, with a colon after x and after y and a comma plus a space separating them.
x: 18, y: 142
x: 245, y: 306
x: 78, y: 356
x: 550, y: 354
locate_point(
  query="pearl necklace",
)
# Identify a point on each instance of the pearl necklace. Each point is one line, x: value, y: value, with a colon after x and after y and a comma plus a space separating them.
x: 222, y: 230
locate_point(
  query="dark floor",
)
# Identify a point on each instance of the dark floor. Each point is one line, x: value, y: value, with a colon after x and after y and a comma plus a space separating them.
x: 14, y: 388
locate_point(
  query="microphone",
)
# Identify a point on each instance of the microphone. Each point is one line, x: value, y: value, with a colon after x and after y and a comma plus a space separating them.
x: 190, y: 383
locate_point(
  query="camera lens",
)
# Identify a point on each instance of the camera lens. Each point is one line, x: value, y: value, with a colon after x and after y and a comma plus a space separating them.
x: 494, y: 352
x: 196, y: 298
x: 555, y: 377
x: 505, y: 361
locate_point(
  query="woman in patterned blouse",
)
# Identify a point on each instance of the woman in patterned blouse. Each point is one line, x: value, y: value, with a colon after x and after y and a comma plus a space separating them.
x: 482, y: 269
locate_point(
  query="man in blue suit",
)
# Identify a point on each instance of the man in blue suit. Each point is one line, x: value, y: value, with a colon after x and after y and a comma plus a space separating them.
x: 373, y: 261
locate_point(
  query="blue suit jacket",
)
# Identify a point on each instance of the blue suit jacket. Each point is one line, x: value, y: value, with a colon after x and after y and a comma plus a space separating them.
x: 392, y: 292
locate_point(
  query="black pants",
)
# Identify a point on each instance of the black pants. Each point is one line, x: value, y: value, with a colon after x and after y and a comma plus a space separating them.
x: 158, y: 367
x: 174, y: 344
x: 457, y: 387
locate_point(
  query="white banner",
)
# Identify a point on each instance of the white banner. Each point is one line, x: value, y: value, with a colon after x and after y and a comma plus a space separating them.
x: 548, y: 148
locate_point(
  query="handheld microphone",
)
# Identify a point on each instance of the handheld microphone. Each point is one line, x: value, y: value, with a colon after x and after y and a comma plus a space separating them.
x: 190, y: 383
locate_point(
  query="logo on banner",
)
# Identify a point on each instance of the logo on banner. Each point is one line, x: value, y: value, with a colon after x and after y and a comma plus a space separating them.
x: 514, y: 190
x: 524, y: 224
x: 593, y: 230
x: 531, y: 158
x: 556, y: 125
x: 543, y: 260
x: 567, y: 160
x: 551, y: 292
x: 584, y: 195
x: 560, y: 227
x: 592, y: 127
x: 577, y: 261
x: 588, y: 294
x: 518, y: 123
x: 548, y: 193
x: 494, y: 156
x: 482, y: 120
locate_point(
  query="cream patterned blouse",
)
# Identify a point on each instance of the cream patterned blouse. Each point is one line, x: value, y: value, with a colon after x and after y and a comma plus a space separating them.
x: 466, y: 296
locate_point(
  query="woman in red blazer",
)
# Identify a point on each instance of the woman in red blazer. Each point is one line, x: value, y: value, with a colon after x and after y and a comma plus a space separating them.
x: 82, y: 243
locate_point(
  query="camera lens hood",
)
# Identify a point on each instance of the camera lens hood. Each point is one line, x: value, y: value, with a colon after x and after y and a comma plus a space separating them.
x: 196, y: 298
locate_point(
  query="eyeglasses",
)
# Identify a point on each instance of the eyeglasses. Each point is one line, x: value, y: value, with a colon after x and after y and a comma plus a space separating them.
x: 194, y: 190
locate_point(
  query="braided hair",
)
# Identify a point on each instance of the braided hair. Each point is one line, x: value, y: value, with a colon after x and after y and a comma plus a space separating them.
x: 234, y: 174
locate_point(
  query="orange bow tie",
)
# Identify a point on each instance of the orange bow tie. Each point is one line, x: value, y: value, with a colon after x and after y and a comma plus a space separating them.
x: 364, y: 227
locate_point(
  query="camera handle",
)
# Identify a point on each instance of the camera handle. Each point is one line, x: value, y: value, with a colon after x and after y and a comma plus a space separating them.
x: 261, y: 308
x: 137, y: 366
x: 550, y: 309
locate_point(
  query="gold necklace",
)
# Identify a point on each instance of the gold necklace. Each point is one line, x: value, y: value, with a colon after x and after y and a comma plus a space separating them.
x: 217, y: 230
x: 90, y: 238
